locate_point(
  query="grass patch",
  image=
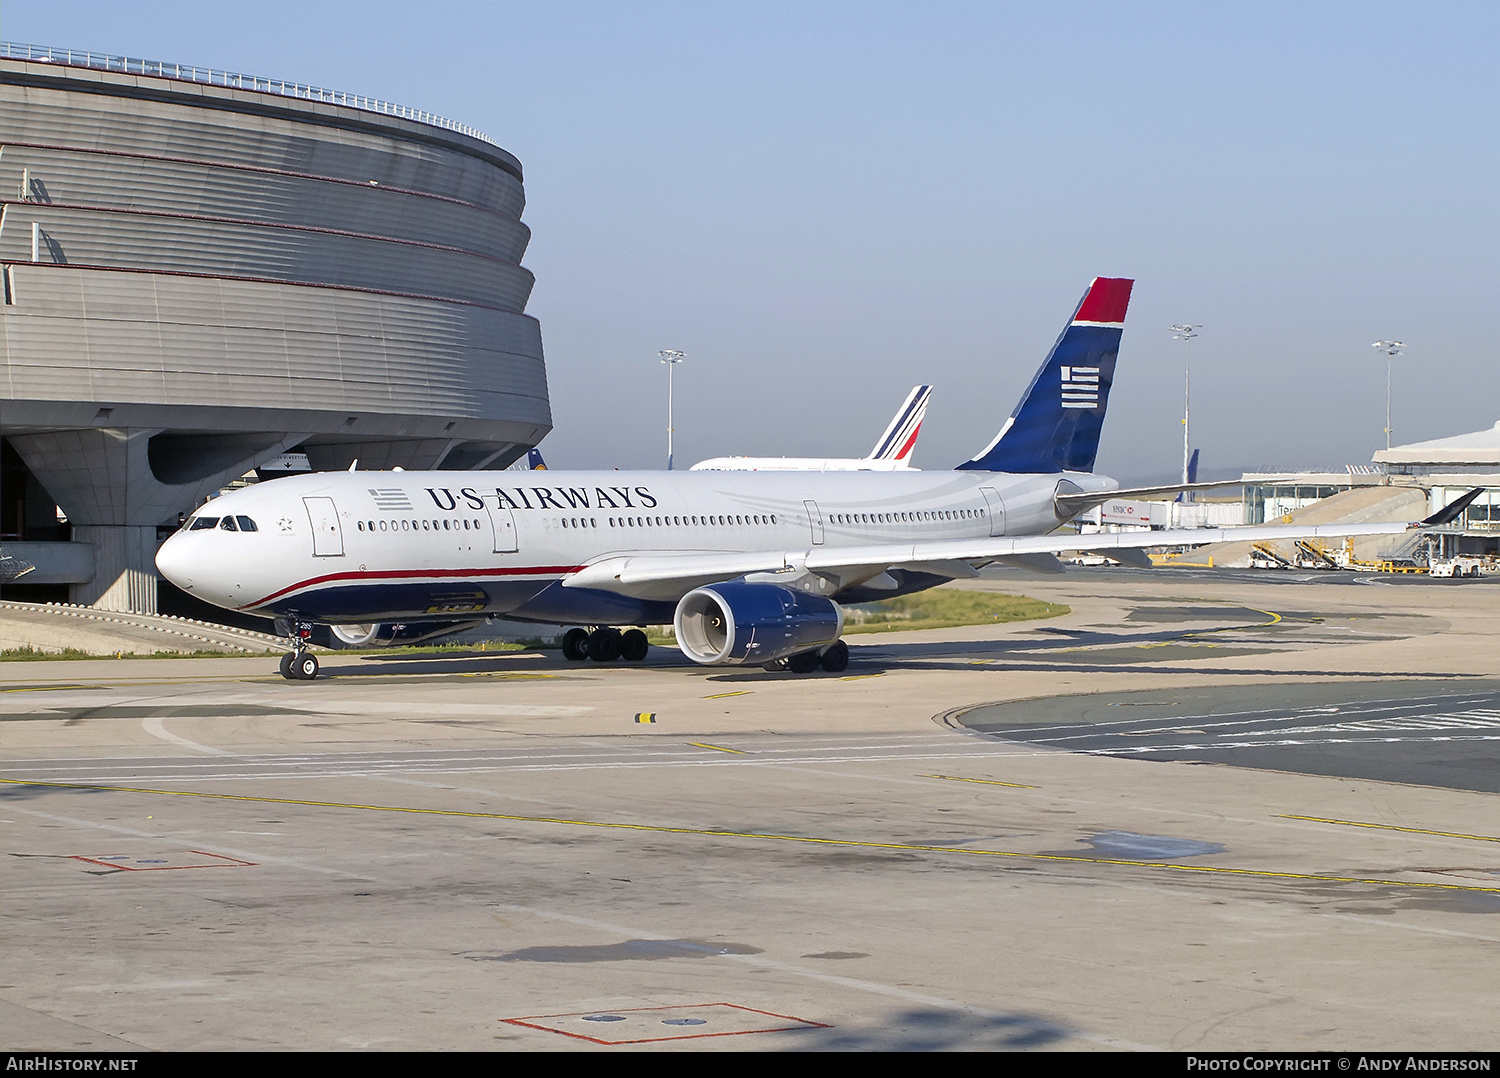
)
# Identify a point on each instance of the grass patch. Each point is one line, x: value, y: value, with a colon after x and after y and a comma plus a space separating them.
x: 940, y: 608
x: 30, y: 654
x: 945, y: 608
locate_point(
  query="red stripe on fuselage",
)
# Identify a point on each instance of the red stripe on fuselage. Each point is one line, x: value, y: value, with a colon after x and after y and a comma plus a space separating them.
x: 1106, y: 301
x: 419, y: 574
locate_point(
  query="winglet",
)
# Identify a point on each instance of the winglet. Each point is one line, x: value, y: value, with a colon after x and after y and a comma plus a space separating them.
x: 1453, y: 510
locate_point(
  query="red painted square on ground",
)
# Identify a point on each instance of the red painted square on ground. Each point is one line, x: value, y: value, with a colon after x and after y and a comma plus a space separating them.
x: 157, y: 862
x: 638, y: 1025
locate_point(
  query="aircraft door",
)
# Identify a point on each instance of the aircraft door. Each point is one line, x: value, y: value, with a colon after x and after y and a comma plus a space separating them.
x: 815, y: 520
x: 328, y: 537
x: 996, y: 509
x: 504, y: 521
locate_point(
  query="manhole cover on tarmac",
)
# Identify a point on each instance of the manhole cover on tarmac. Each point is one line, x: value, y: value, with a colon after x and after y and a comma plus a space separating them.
x: 638, y: 1025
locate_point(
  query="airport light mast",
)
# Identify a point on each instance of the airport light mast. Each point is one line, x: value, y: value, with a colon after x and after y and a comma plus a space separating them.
x: 1185, y: 334
x: 1392, y: 349
x: 671, y: 357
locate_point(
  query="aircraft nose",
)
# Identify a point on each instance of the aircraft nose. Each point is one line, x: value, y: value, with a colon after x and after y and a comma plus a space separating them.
x: 172, y: 562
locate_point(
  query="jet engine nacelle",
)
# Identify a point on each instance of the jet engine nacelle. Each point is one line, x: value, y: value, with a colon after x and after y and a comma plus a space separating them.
x: 390, y: 634
x: 740, y: 623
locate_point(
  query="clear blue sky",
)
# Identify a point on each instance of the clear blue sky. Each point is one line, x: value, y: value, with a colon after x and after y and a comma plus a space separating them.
x: 825, y: 203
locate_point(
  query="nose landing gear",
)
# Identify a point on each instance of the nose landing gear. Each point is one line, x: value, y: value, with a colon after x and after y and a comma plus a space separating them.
x: 299, y: 664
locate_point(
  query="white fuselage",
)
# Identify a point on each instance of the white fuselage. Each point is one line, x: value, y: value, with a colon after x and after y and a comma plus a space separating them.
x: 353, y: 547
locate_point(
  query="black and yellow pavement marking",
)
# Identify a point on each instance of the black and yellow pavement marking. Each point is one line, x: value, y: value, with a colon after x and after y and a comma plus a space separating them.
x: 645, y: 716
x: 1390, y: 827
x: 987, y: 782
x: 814, y: 840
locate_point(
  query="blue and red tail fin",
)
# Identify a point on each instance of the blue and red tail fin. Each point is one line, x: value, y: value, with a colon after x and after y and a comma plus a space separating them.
x: 1056, y: 426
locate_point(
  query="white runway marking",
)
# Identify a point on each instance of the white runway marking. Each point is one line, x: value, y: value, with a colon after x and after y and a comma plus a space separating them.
x: 154, y: 726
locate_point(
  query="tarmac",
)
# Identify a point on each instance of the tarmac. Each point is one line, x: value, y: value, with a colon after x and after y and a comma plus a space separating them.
x: 1203, y: 811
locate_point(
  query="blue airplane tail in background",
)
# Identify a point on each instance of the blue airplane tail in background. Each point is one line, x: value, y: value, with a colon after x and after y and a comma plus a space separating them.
x: 1192, y: 477
x: 1056, y: 426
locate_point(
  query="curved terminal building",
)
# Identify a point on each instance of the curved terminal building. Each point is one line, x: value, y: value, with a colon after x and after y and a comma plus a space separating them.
x: 203, y: 271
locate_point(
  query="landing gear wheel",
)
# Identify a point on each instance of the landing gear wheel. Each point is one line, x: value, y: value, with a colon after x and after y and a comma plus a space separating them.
x: 575, y: 645
x: 633, y: 646
x: 286, y: 666
x: 305, y: 666
x: 836, y: 659
x: 804, y: 663
x: 604, y: 645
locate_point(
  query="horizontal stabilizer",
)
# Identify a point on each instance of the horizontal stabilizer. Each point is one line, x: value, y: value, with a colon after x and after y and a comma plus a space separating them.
x: 1070, y: 504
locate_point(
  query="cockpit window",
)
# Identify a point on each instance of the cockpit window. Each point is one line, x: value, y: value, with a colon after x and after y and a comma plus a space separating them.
x: 201, y: 523
x: 228, y: 524
x: 246, y: 524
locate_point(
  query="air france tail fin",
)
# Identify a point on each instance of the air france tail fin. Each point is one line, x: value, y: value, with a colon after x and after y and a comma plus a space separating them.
x: 1056, y: 426
x: 899, y: 438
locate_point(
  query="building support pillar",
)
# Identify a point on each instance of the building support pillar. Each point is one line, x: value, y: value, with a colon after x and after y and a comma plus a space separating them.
x: 124, y: 568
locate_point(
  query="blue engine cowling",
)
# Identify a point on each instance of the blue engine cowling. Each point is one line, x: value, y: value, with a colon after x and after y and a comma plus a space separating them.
x: 739, y: 623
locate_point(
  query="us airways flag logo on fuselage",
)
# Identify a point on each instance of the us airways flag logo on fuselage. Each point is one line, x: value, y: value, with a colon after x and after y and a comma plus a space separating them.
x: 1056, y: 426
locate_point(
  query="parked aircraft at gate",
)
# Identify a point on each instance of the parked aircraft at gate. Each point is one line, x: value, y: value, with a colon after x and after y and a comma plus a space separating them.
x: 750, y: 567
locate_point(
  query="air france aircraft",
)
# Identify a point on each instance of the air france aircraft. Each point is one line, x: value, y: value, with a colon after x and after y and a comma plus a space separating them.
x: 892, y: 450
x: 749, y: 567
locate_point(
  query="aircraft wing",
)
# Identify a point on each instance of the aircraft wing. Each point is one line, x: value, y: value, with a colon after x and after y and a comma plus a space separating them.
x: 670, y: 576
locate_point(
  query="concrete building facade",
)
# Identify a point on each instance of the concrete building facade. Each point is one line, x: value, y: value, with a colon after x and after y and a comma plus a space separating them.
x: 203, y: 270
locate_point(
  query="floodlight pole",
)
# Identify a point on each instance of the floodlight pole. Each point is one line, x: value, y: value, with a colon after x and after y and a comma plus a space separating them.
x: 1391, y: 350
x: 671, y: 357
x: 1185, y: 334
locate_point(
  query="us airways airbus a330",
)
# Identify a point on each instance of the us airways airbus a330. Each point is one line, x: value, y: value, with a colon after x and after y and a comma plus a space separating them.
x: 749, y: 567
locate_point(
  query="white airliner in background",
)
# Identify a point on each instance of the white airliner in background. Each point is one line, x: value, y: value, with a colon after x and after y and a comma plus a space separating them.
x: 750, y: 567
x: 892, y: 450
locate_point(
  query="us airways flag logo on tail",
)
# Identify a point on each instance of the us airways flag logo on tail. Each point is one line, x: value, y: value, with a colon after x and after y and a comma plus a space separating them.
x: 1080, y: 387
x: 1055, y: 427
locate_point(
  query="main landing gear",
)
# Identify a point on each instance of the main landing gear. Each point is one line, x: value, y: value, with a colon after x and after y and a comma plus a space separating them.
x: 299, y: 664
x: 604, y: 645
x: 834, y: 658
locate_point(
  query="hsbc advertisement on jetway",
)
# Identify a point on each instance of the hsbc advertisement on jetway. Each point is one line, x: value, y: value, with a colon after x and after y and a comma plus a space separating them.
x: 1119, y: 511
